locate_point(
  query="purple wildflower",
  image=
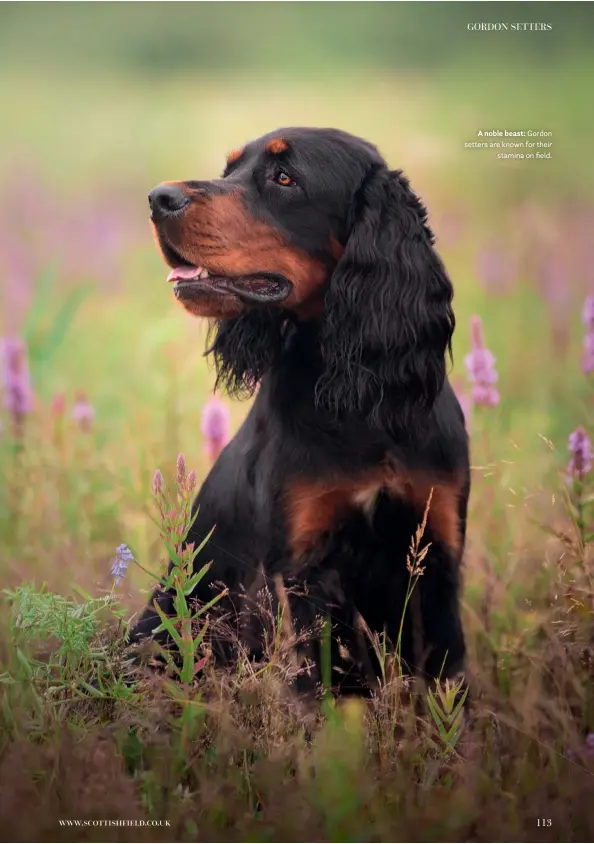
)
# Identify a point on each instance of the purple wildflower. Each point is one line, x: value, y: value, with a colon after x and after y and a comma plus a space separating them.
x: 181, y: 469
x: 582, y: 455
x: 588, y: 348
x: 480, y: 364
x: 83, y: 412
x: 215, y: 427
x: 18, y: 395
x: 157, y: 482
x: 191, y: 480
x: 119, y: 567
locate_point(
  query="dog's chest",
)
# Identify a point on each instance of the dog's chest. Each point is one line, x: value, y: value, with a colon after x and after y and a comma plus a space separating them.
x: 366, y: 498
x: 314, y: 509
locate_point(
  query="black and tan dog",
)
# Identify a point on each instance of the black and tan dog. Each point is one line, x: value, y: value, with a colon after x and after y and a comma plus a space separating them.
x: 317, y: 265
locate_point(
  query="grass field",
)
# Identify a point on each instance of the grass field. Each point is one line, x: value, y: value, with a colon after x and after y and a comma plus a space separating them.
x: 233, y: 756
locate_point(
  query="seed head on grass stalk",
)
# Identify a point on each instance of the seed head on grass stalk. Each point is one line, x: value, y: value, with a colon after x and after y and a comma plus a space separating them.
x: 446, y: 707
x: 415, y: 568
x: 417, y: 554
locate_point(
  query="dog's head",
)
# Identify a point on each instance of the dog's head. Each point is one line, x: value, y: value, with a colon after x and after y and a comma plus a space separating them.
x: 310, y: 224
x: 270, y: 231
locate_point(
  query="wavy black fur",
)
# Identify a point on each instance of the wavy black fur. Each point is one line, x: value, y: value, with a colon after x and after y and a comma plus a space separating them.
x: 388, y: 316
x: 245, y: 348
x: 360, y: 387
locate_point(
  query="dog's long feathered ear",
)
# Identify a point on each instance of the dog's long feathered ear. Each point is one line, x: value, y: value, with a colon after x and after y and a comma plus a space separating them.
x: 388, y: 315
x: 244, y: 348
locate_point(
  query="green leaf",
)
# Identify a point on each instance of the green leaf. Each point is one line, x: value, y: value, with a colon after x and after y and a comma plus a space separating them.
x: 200, y: 637
x: 204, y: 541
x: 453, y: 733
x: 210, y: 604
x: 196, y: 578
x: 440, y: 715
x: 173, y: 554
x: 180, y: 603
x: 458, y: 708
x: 168, y: 625
x: 187, y: 673
x: 191, y: 523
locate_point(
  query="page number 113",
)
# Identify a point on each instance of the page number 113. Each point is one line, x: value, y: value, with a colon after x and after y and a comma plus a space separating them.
x: 544, y: 822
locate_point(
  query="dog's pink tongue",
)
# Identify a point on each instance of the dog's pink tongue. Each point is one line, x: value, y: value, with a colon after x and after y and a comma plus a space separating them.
x: 183, y: 272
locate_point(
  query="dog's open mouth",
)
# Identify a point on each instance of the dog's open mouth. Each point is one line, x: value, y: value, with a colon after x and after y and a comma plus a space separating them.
x: 193, y: 282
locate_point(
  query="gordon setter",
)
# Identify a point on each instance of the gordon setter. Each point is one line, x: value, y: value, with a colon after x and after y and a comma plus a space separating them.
x: 318, y: 267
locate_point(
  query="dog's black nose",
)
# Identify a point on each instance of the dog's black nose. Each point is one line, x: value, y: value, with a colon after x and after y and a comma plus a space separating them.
x: 165, y: 200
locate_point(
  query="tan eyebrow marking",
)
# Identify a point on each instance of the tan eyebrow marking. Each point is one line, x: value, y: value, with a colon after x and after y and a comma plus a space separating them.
x: 276, y: 145
x: 234, y: 155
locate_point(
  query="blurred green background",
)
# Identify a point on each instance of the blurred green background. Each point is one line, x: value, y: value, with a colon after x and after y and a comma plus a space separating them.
x: 102, y: 101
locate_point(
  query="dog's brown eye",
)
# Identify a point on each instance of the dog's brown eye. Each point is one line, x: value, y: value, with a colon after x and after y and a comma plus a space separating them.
x: 284, y: 180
